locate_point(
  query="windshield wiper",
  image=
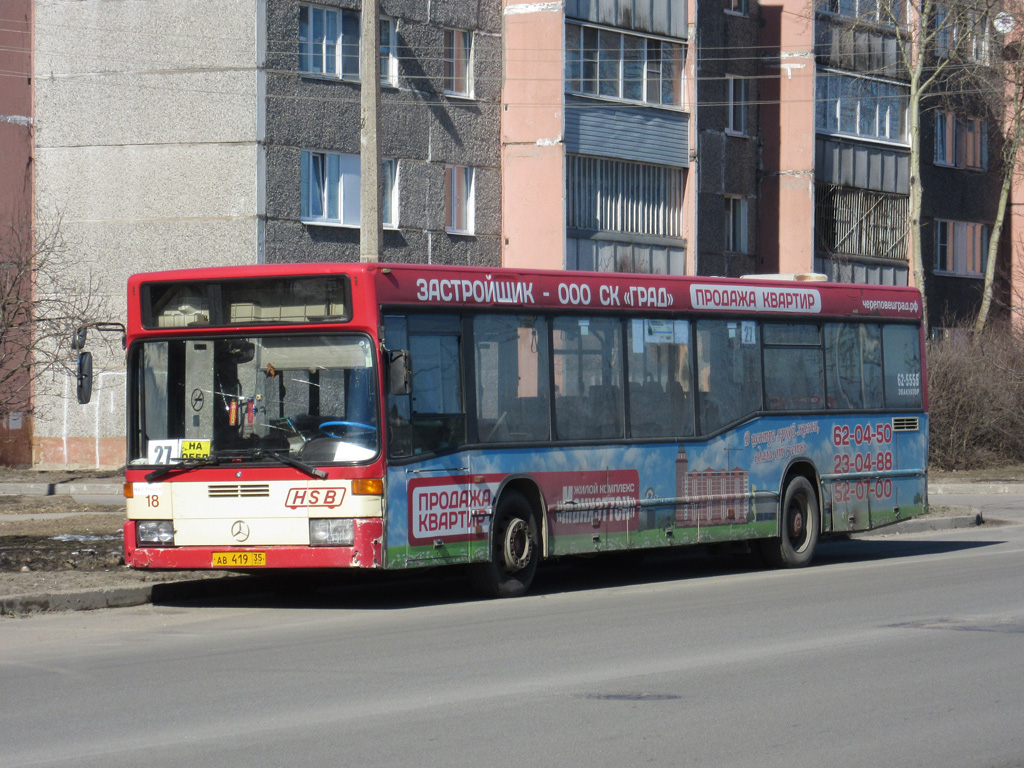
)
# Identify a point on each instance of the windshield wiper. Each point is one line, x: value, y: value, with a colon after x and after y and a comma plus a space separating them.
x: 309, y: 469
x: 183, y: 466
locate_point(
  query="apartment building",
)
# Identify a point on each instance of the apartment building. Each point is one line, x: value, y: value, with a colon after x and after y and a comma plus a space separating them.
x: 161, y: 140
x: 661, y: 136
x: 836, y: 171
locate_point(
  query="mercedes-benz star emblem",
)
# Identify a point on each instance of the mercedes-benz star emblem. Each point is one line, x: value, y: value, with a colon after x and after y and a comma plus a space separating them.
x: 197, y: 399
x: 240, y: 530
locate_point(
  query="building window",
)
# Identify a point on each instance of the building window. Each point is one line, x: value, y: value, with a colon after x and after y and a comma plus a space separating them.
x: 626, y: 67
x: 737, y: 104
x: 601, y: 255
x: 330, y: 189
x: 605, y: 195
x: 736, y: 224
x: 961, y: 142
x: 389, y: 200
x: 849, y: 221
x: 961, y: 33
x: 889, y: 12
x: 859, y: 106
x: 960, y: 248
x: 388, y: 55
x: 458, y: 213
x: 736, y: 6
x: 329, y: 41
x: 458, y: 62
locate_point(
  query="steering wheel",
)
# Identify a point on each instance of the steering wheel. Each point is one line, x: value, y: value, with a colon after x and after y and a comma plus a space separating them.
x: 343, y: 424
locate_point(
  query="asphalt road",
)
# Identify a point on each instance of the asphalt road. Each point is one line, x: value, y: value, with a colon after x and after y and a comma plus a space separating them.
x: 896, y: 651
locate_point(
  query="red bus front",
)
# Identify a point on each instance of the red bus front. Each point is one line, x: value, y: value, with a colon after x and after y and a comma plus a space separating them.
x: 254, y: 424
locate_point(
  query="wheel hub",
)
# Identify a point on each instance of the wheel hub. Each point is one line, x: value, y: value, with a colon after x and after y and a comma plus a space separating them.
x: 796, y: 526
x: 518, y: 545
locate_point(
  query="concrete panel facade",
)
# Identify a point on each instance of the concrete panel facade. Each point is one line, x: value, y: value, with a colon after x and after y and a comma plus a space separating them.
x: 727, y: 140
x: 148, y: 129
x: 421, y: 128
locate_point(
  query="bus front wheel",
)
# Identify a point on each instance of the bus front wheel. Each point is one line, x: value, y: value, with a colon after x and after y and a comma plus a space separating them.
x: 799, y: 527
x: 515, y: 549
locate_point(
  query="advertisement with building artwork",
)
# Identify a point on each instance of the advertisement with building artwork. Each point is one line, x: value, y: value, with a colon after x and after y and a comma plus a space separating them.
x: 661, y: 495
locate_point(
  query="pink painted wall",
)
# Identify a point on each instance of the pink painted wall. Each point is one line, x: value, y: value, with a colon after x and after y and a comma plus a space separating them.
x: 16, y: 188
x: 786, y: 227
x: 1015, y: 223
x: 532, y: 153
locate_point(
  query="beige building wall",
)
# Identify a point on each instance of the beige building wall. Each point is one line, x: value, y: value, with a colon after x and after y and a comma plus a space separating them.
x: 149, y: 151
x: 532, y: 148
x: 786, y: 229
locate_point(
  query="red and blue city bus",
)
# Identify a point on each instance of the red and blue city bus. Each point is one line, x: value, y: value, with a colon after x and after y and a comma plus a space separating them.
x: 386, y: 416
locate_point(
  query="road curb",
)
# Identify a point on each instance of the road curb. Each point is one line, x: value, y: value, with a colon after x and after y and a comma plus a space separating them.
x: 131, y: 595
x: 84, y: 492
x: 970, y: 489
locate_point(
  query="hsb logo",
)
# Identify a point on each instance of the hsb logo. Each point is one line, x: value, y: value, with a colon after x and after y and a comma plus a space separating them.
x: 314, y: 497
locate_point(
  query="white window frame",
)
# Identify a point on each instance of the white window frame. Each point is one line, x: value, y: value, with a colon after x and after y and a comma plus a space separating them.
x: 737, y: 236
x: 389, y: 197
x: 969, y: 243
x: 738, y: 96
x: 330, y: 184
x: 388, y: 58
x: 839, y: 102
x: 326, y: 55
x: 460, y: 195
x: 961, y: 142
x: 611, y: 64
x: 456, y: 42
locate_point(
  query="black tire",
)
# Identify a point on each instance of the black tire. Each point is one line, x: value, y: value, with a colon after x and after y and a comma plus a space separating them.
x: 515, y: 549
x: 800, y: 526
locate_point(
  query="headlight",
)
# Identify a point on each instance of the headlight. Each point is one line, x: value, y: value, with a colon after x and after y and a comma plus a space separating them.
x: 160, y: 532
x: 331, y: 532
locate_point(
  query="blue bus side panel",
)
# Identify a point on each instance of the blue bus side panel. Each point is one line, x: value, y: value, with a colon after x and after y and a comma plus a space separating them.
x: 657, y: 495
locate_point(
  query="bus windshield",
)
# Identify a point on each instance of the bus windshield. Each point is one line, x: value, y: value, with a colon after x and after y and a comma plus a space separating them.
x: 311, y: 397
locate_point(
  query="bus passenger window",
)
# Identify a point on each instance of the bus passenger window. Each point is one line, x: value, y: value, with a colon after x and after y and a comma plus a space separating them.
x: 728, y: 372
x: 901, y: 360
x: 660, y: 387
x: 853, y: 365
x: 588, y: 377
x: 793, y: 376
x: 512, y: 382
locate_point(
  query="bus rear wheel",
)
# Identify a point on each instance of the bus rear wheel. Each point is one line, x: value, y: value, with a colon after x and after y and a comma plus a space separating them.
x: 515, y: 550
x: 799, y: 527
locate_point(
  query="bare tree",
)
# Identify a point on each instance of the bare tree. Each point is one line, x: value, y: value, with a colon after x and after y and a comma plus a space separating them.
x: 43, y: 299
x: 934, y: 47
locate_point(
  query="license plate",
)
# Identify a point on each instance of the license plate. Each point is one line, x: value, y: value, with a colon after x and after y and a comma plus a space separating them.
x: 239, y: 559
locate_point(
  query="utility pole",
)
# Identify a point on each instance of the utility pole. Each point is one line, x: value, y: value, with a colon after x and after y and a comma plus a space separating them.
x: 371, y: 217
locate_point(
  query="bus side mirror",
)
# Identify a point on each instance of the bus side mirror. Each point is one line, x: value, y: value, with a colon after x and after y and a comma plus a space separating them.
x: 84, y: 377
x: 78, y: 340
x: 399, y: 372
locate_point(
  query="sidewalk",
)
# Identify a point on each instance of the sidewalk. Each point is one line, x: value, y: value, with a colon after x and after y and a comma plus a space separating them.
x: 78, y: 590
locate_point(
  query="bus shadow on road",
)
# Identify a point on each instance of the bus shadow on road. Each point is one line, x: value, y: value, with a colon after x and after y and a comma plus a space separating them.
x: 397, y: 590
x: 843, y: 550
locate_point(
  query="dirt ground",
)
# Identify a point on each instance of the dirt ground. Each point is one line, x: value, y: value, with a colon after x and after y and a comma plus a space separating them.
x: 54, y: 543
